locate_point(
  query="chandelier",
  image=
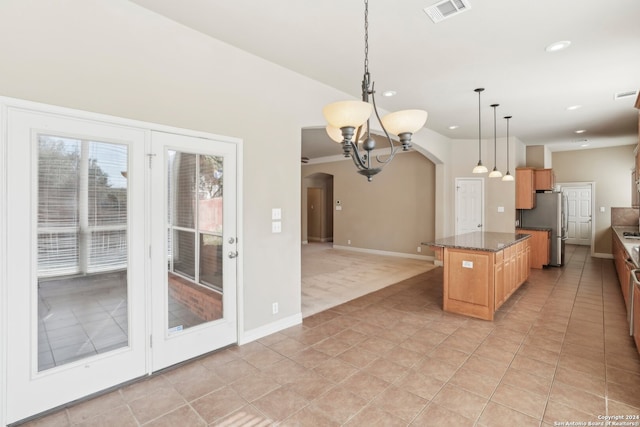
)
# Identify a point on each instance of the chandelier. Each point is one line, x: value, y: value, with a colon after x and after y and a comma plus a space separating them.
x: 348, y: 122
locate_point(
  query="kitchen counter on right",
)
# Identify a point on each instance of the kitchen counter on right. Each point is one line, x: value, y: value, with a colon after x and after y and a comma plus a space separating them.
x: 627, y: 242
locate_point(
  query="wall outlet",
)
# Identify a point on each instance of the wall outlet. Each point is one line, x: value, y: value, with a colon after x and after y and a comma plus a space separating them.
x: 348, y: 242
x: 419, y: 249
x: 274, y: 308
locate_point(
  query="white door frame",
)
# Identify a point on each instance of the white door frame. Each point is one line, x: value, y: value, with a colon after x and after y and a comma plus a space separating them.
x: 457, y: 181
x: 5, y: 103
x: 592, y: 185
x: 171, y: 348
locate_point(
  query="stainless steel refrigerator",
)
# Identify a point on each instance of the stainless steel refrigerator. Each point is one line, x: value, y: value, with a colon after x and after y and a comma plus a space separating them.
x: 550, y: 212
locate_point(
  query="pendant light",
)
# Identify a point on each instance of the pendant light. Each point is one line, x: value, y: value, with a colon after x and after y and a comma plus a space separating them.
x: 507, y: 176
x: 349, y: 122
x: 495, y: 173
x: 480, y: 168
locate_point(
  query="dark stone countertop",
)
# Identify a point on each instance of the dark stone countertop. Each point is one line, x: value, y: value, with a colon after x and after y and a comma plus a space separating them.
x: 479, y: 241
x: 534, y: 228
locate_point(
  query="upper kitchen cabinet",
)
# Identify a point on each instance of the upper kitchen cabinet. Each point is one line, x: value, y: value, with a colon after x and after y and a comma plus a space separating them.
x: 637, y: 151
x: 544, y: 179
x: 525, y: 188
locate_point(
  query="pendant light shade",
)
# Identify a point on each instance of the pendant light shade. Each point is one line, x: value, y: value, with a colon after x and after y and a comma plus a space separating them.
x: 334, y: 133
x: 495, y: 173
x: 507, y: 176
x: 480, y: 168
x: 405, y: 121
x: 347, y: 113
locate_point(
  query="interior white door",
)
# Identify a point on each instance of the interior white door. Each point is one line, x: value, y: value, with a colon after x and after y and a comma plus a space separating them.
x: 469, y: 205
x: 193, y: 247
x: 76, y: 277
x: 579, y: 215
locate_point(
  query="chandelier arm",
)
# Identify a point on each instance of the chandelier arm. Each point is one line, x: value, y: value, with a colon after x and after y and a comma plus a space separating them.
x: 392, y: 147
x: 355, y: 155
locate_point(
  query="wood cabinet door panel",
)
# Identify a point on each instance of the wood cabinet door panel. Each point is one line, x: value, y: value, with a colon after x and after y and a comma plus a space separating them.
x: 470, y: 272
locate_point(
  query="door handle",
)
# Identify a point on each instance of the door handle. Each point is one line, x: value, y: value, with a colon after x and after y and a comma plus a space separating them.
x: 479, y: 225
x: 233, y: 254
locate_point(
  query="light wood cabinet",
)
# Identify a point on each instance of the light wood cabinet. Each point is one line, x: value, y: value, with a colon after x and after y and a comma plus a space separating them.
x: 477, y: 283
x: 540, y: 247
x: 635, y: 194
x: 636, y: 316
x: 637, y: 151
x: 525, y: 188
x: 623, y: 268
x: 544, y: 179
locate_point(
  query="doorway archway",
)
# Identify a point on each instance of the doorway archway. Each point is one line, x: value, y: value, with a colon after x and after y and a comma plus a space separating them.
x: 317, y: 208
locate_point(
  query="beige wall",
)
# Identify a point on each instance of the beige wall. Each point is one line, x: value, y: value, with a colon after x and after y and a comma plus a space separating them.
x: 394, y: 213
x: 538, y: 156
x: 114, y: 57
x: 610, y: 169
x: 497, y: 193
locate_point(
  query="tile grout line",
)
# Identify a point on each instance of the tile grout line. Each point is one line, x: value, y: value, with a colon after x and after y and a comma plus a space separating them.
x: 564, y: 336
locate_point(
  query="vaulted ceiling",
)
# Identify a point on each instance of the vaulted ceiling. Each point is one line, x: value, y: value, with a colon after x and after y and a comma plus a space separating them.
x: 495, y: 44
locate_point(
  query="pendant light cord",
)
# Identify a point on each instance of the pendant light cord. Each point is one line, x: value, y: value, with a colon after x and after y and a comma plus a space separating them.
x: 366, y: 37
x: 479, y: 126
x: 495, y: 140
x: 508, y: 117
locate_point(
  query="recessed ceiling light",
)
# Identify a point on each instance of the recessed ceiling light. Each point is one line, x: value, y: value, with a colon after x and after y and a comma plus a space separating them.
x: 580, y: 131
x: 389, y: 93
x: 574, y: 107
x: 561, y: 45
x: 452, y: 127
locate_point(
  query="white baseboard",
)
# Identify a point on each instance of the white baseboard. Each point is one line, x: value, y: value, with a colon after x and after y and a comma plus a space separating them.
x: 270, y: 328
x: 386, y: 253
x: 602, y: 255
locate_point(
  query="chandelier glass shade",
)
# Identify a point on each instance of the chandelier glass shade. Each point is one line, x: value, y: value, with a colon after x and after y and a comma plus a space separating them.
x: 480, y: 168
x: 349, y: 122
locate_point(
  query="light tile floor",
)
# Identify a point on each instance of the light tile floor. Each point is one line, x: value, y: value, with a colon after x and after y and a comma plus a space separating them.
x: 83, y: 316
x: 558, y: 351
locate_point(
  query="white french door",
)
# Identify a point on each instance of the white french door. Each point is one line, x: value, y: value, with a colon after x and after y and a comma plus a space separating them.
x: 121, y: 254
x: 579, y: 214
x: 469, y: 205
x: 76, y: 300
x: 193, y: 247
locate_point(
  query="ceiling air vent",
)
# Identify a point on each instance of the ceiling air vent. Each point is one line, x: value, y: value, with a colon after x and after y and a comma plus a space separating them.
x: 625, y: 95
x: 446, y: 9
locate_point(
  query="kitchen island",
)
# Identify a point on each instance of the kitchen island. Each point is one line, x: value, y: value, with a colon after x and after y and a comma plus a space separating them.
x: 481, y: 270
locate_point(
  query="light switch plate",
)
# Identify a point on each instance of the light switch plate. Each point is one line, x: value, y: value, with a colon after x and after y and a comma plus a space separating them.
x: 276, y: 227
x: 276, y: 213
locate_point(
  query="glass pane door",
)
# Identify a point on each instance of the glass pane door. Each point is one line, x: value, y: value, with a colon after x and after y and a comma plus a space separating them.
x: 196, y: 277
x: 76, y: 318
x: 82, y: 249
